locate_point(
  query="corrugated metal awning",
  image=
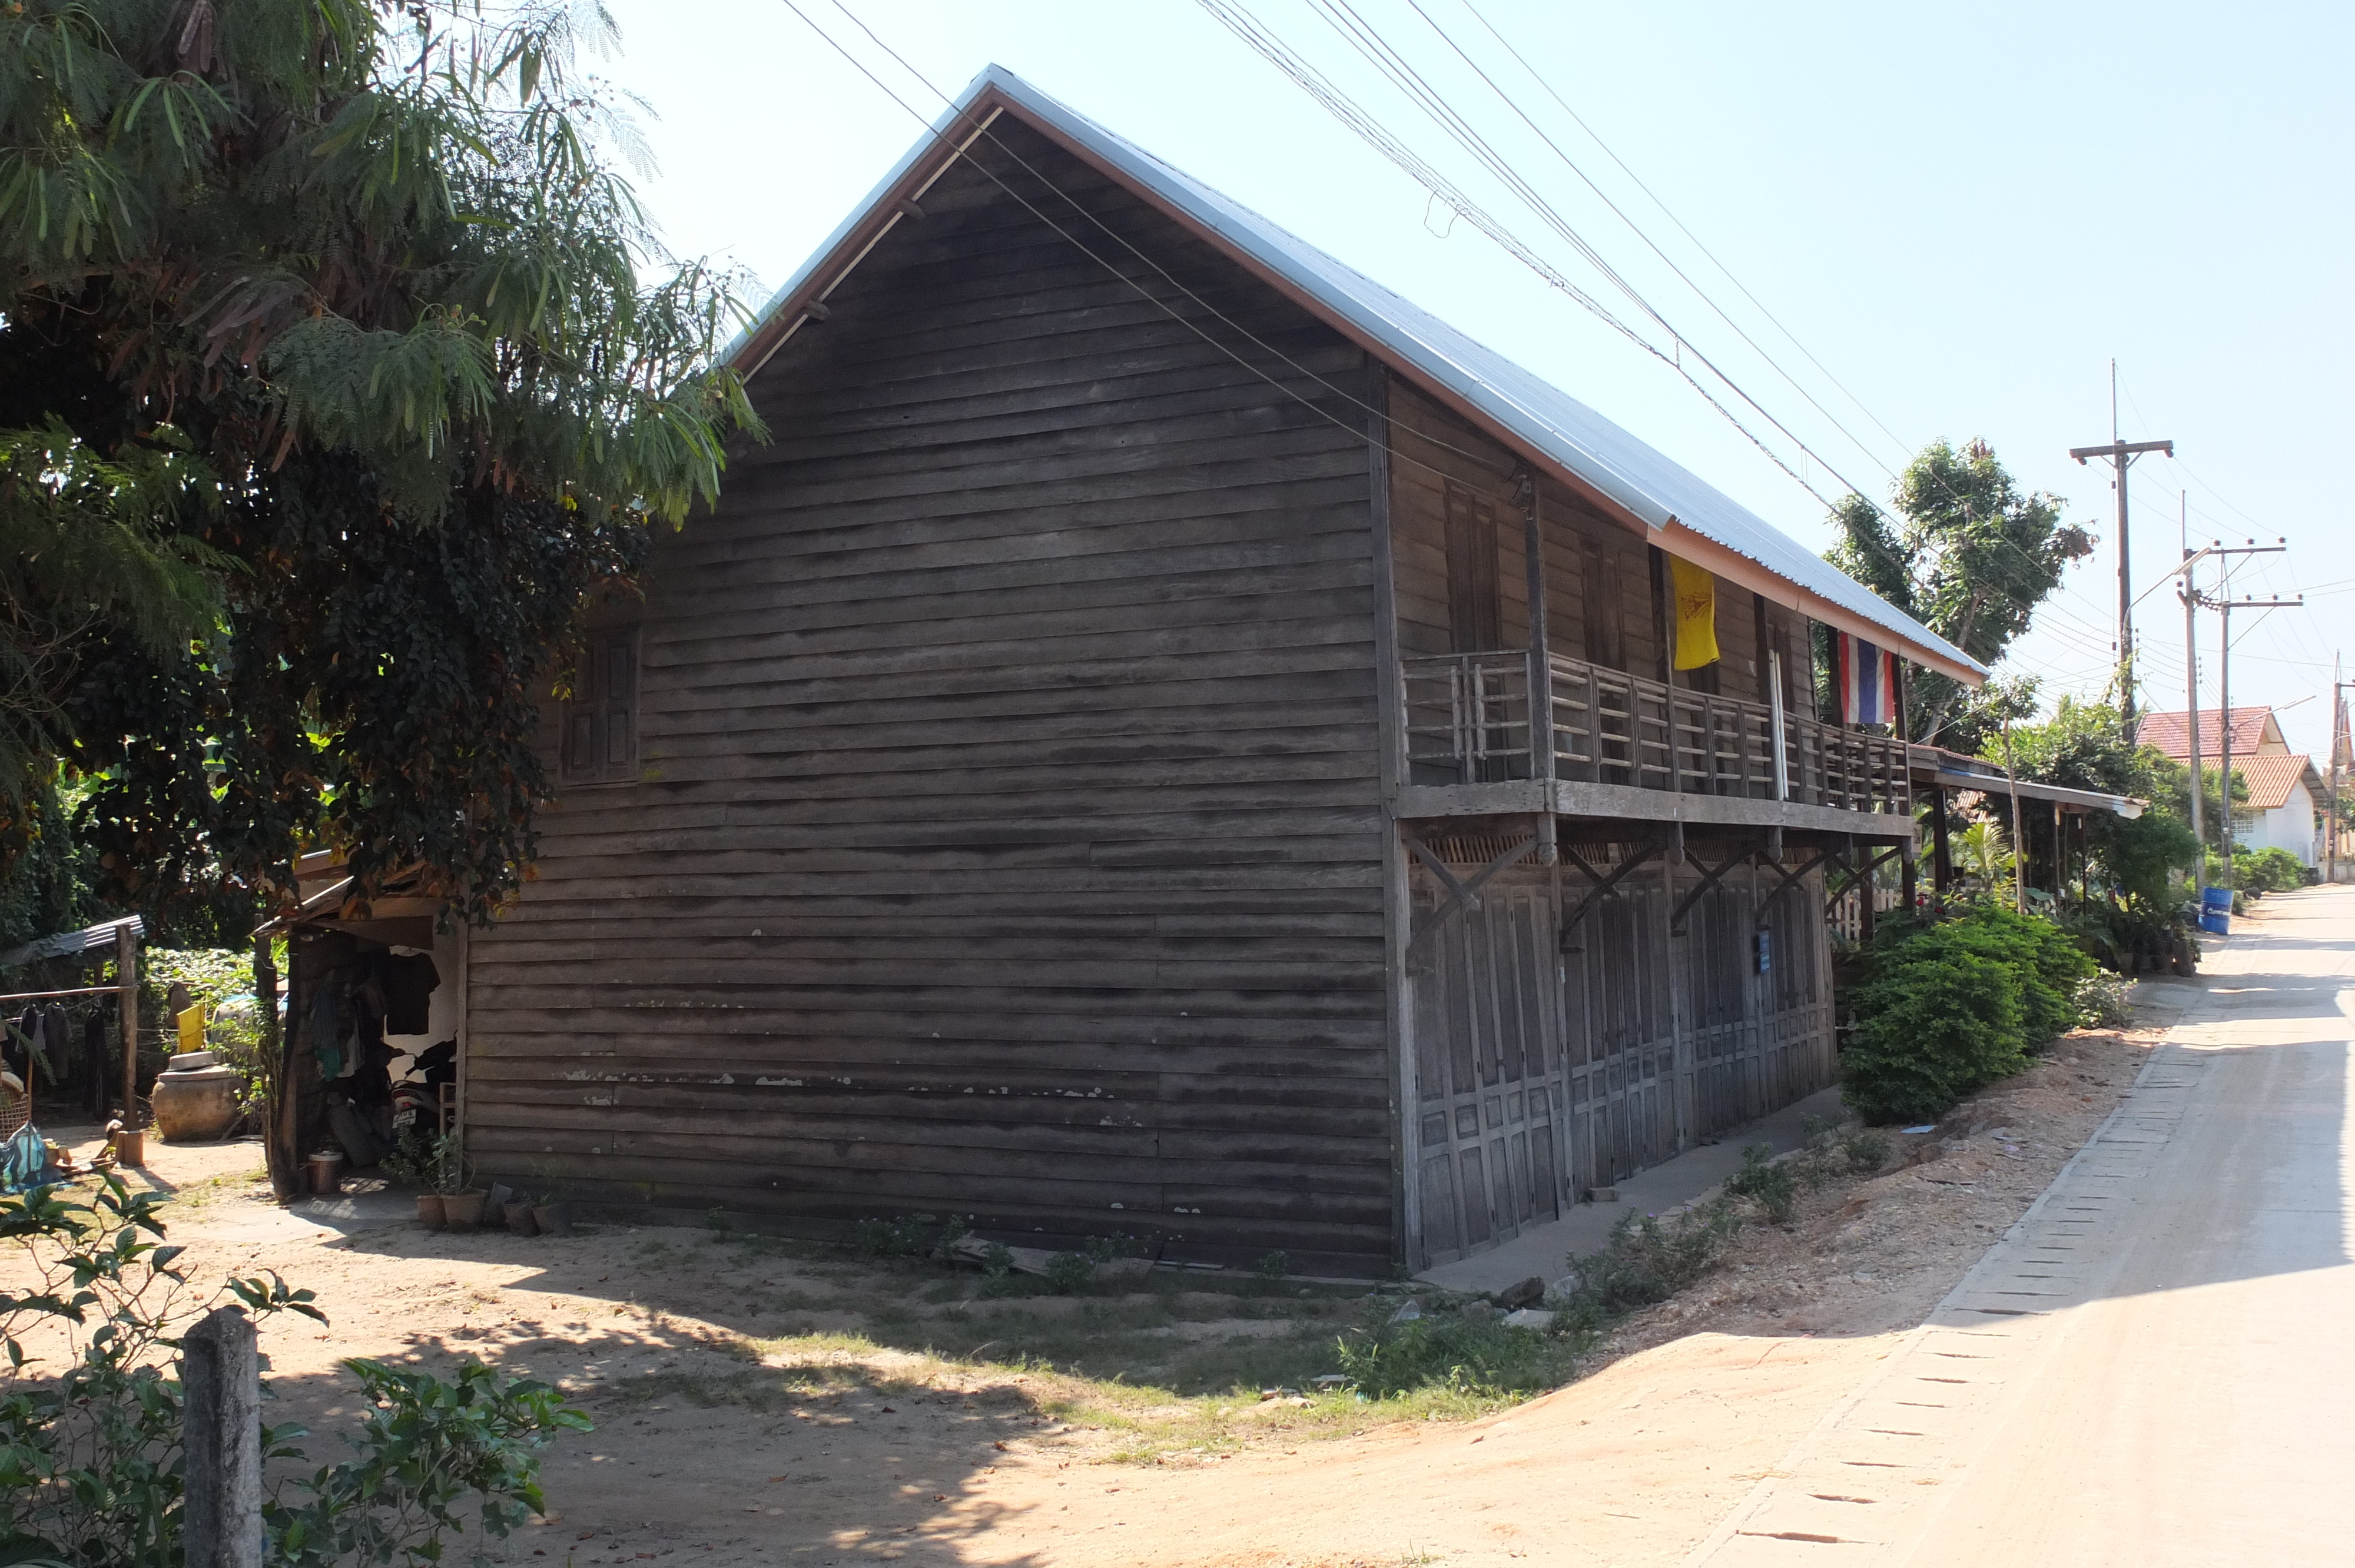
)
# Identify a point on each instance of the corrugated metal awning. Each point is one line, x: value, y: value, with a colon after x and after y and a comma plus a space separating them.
x: 66, y: 944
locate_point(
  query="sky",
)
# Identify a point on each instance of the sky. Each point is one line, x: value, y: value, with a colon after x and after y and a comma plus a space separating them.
x: 1899, y: 224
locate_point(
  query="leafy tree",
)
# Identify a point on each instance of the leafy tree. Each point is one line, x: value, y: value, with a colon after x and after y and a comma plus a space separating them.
x: 337, y: 366
x: 2084, y: 746
x: 1969, y: 555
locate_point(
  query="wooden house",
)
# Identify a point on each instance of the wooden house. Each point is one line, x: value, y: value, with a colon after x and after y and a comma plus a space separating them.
x: 1170, y: 738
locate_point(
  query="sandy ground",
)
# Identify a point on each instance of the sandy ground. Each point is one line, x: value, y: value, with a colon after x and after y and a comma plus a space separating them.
x: 734, y: 1427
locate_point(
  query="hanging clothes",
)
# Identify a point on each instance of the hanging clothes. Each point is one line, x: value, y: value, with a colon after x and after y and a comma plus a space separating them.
x: 1696, y: 596
x: 409, y: 981
x: 1867, y: 682
x: 96, y: 1058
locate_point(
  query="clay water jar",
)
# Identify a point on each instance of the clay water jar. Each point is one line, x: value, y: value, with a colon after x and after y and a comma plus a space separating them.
x: 327, y: 1172
x: 195, y: 1098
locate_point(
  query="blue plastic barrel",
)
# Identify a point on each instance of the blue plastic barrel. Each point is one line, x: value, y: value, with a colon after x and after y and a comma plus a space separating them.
x: 2216, y: 922
x: 2212, y: 898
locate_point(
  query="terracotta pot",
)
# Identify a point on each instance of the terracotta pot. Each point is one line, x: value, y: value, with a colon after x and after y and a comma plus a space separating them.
x: 195, y: 1099
x: 327, y: 1172
x: 428, y: 1211
x: 520, y: 1220
x: 554, y: 1219
x: 463, y: 1210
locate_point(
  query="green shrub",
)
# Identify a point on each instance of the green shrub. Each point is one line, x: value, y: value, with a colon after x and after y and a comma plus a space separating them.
x: 1866, y: 1149
x: 91, y: 1467
x: 1451, y: 1353
x: 1952, y: 1006
x: 1772, y: 1184
x: 1937, y: 1021
x: 2104, y: 1002
x: 1645, y: 1259
x: 2269, y: 870
x: 1067, y: 1271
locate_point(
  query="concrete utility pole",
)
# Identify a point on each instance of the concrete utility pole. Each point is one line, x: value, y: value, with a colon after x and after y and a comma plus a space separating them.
x: 2339, y: 757
x: 2226, y: 604
x: 2122, y: 454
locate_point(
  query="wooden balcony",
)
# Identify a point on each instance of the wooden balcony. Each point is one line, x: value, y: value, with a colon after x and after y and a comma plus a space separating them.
x: 1621, y: 745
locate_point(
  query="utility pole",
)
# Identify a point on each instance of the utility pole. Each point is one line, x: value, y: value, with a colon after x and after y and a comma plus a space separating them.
x: 2192, y: 711
x: 2226, y: 604
x: 2121, y: 454
x: 2339, y: 757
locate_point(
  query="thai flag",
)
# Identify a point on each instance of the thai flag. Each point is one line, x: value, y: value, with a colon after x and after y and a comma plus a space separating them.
x: 1867, y: 683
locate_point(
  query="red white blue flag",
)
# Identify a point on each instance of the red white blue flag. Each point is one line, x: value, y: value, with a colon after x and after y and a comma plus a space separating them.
x: 1867, y: 683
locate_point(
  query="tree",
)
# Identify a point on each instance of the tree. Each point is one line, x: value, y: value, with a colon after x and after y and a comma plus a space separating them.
x: 337, y: 366
x: 2085, y: 746
x: 1968, y: 554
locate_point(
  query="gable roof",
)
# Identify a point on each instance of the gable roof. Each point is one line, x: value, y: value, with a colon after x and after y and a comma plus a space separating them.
x: 2270, y: 777
x: 1683, y: 514
x: 2171, y: 733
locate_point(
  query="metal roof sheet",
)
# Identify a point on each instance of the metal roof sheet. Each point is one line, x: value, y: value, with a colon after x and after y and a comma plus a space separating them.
x: 1648, y: 485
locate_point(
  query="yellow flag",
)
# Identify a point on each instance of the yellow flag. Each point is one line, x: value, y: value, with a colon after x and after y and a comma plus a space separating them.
x: 1696, y: 590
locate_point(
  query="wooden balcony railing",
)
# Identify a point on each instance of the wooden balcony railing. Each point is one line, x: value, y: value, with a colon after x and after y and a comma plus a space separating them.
x: 1467, y: 715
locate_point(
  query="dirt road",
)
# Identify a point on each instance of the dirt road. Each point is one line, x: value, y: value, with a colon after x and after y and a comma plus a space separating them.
x: 2155, y: 1366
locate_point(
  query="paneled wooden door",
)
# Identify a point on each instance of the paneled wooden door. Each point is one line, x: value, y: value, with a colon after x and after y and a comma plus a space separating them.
x: 1621, y: 1037
x: 1490, y: 1087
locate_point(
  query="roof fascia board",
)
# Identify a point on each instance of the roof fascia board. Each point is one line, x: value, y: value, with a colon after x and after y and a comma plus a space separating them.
x: 1739, y: 568
x: 916, y: 171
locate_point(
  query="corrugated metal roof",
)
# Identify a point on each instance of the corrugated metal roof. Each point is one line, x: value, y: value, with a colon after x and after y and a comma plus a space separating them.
x: 65, y: 944
x: 1524, y: 408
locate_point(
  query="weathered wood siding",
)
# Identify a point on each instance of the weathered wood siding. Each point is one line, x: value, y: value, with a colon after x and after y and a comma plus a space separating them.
x: 1009, y: 840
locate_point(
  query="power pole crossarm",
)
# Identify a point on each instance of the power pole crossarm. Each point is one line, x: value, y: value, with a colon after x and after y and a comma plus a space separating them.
x: 2121, y: 454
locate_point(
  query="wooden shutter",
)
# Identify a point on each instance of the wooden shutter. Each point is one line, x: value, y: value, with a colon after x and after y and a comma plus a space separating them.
x: 1475, y: 612
x: 601, y: 722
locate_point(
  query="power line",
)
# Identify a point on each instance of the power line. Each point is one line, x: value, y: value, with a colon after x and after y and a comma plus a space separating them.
x: 1248, y: 28
x: 1726, y: 271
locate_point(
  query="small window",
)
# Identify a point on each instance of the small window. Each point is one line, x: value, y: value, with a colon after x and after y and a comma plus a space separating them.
x: 601, y: 722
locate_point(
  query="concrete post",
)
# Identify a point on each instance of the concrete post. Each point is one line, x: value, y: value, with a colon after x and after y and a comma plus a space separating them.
x: 220, y: 1378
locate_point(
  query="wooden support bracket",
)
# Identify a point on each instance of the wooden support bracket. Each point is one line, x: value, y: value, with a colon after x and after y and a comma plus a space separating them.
x: 1709, y: 879
x: 1872, y: 863
x: 1601, y: 883
x: 1789, y: 880
x: 1461, y: 894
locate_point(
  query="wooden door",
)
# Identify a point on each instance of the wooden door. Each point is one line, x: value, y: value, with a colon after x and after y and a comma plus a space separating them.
x: 1489, y: 1078
x: 1621, y: 1037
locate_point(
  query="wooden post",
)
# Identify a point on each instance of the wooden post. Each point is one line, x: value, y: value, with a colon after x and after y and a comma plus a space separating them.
x: 126, y: 976
x: 285, y: 1177
x: 1942, y: 856
x: 220, y: 1375
x: 1541, y: 677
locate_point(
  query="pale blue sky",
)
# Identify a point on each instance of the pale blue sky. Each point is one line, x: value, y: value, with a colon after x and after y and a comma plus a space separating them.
x: 1963, y: 212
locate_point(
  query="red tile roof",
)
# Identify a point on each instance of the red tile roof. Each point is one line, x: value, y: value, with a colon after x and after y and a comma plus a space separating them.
x: 2172, y: 735
x: 2270, y: 779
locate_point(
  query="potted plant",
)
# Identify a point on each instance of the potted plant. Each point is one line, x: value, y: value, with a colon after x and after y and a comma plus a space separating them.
x: 461, y: 1205
x: 415, y: 1162
x: 553, y: 1215
x: 521, y: 1215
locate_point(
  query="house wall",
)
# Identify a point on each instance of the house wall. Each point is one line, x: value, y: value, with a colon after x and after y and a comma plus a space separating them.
x: 1008, y: 838
x: 2289, y: 826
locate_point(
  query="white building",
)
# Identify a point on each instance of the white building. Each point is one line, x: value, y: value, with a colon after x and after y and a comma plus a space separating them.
x: 2285, y: 794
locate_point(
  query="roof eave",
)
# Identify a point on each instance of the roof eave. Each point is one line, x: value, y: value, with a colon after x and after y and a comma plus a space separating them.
x: 987, y: 95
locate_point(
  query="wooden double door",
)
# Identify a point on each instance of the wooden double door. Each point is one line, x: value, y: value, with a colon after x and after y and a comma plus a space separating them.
x: 1544, y: 1069
x: 1520, y: 1101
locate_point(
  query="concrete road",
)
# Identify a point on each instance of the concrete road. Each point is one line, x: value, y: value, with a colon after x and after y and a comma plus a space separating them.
x: 2157, y: 1365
